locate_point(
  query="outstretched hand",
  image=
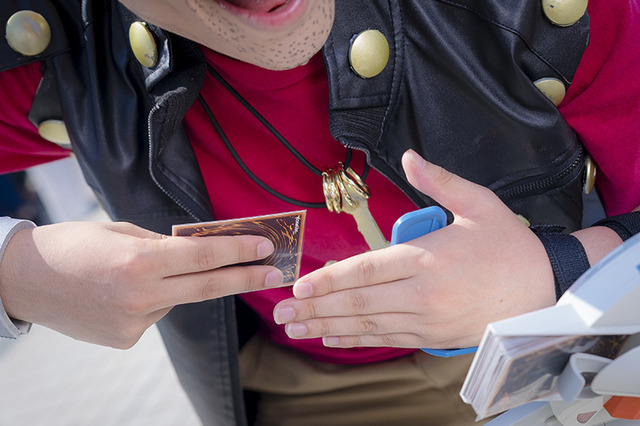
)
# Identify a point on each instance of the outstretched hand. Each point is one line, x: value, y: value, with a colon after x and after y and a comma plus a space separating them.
x: 437, y: 291
x: 106, y: 283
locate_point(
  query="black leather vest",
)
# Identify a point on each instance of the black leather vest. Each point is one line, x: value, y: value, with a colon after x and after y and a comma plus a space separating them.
x: 458, y: 89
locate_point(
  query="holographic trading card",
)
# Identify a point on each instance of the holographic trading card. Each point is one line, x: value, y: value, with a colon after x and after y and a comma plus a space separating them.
x: 285, y: 230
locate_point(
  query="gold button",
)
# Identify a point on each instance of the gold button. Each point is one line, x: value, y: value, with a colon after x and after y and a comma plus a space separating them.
x: 369, y: 53
x: 143, y: 44
x: 55, y: 131
x: 552, y: 88
x: 589, y: 175
x: 564, y: 12
x: 28, y: 33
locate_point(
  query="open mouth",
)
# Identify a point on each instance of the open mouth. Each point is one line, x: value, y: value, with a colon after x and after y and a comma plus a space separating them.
x: 270, y: 13
x: 261, y: 6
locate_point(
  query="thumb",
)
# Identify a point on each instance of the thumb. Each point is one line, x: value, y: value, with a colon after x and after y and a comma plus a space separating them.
x: 450, y: 190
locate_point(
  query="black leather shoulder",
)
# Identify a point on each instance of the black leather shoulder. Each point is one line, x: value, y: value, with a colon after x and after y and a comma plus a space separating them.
x: 92, y: 82
x: 459, y: 89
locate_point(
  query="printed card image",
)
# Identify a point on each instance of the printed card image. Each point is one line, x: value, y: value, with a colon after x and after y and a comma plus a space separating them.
x: 285, y: 230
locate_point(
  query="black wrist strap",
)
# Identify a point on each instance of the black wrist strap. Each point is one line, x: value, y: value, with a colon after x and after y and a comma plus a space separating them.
x: 625, y: 225
x: 567, y: 256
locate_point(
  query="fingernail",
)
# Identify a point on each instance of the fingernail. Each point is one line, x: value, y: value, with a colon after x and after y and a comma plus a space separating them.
x: 330, y: 341
x: 302, y: 290
x: 265, y: 248
x: 296, y: 330
x: 273, y: 278
x: 417, y: 160
x: 284, y: 314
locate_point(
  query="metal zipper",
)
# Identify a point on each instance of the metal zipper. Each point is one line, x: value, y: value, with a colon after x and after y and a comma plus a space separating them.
x: 173, y: 197
x: 229, y: 311
x: 556, y: 179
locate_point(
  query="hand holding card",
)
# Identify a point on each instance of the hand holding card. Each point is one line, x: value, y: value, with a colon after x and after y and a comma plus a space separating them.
x: 285, y: 230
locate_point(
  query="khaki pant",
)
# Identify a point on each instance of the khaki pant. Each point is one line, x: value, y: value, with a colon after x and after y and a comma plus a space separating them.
x: 419, y: 389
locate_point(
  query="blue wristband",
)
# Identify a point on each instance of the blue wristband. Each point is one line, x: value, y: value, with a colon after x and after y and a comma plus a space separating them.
x: 416, y: 224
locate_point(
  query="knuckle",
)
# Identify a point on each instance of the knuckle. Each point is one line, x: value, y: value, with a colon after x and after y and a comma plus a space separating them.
x: 324, y: 329
x: 210, y: 289
x: 366, y: 270
x: 351, y: 341
x: 486, y: 191
x: 486, y: 194
x: 325, y: 285
x: 255, y: 278
x: 443, y: 176
x: 426, y: 260
x: 245, y: 249
x: 428, y: 301
x: 206, y: 258
x: 309, y: 309
x: 388, y: 340
x: 356, y: 302
x: 132, y: 305
x: 134, y: 262
x: 367, y: 325
x: 124, y: 227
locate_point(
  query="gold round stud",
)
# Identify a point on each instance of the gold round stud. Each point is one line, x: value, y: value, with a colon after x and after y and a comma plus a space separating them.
x: 564, y: 12
x: 524, y: 220
x: 143, y: 44
x: 55, y: 131
x: 552, y: 88
x: 28, y: 33
x: 589, y: 175
x: 369, y: 53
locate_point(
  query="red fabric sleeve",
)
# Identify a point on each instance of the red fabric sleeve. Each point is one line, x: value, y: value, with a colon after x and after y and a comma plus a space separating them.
x: 603, y: 103
x: 20, y: 144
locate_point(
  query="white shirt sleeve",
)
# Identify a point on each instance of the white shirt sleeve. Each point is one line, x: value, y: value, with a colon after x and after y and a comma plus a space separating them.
x: 8, y: 227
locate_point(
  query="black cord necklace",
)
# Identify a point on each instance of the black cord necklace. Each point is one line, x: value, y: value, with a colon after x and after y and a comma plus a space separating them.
x: 333, y: 177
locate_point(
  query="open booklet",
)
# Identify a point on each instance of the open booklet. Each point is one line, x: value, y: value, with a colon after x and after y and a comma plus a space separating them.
x: 521, y: 359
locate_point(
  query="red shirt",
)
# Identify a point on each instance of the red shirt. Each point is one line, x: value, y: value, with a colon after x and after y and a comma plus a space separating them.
x: 296, y: 103
x: 602, y: 105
